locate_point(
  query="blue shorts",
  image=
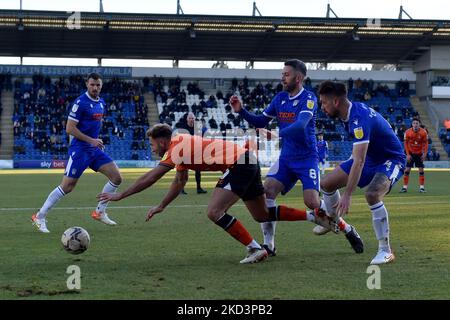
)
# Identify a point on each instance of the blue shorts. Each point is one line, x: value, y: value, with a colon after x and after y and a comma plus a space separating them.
x: 322, y: 160
x: 288, y: 172
x: 392, y: 169
x: 80, y: 159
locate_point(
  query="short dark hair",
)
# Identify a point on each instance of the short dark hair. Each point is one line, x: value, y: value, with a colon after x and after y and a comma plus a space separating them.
x: 159, y: 130
x: 298, y: 65
x: 94, y: 76
x: 331, y: 88
x: 416, y: 119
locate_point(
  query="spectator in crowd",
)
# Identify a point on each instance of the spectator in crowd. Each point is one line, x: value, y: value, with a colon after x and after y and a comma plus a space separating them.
x: 433, y: 155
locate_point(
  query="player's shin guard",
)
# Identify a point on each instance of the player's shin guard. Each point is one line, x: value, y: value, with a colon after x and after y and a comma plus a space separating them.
x: 235, y: 228
x: 268, y: 228
x: 381, y: 225
x: 422, y: 179
x: 331, y: 199
x: 52, y: 199
x: 109, y: 188
x: 405, y: 180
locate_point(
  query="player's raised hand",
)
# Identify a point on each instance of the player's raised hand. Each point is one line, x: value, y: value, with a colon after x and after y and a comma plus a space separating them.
x: 153, y: 211
x: 104, y: 197
x: 235, y: 103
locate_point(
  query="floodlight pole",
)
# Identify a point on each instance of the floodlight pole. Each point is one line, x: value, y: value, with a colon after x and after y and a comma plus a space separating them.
x: 329, y: 10
x: 101, y: 6
x: 255, y: 10
x: 179, y: 9
x: 401, y: 13
x: 20, y: 5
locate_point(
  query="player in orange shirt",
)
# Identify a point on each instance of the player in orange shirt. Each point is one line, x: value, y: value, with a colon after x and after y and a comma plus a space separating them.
x: 241, y: 180
x: 416, y: 148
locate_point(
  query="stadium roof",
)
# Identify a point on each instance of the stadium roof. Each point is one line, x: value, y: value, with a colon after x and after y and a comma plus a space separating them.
x: 206, y: 37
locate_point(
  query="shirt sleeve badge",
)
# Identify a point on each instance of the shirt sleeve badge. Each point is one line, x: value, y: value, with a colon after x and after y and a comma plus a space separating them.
x: 358, y: 132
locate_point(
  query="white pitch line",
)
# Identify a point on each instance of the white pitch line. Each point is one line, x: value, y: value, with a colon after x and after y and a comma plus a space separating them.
x: 190, y: 206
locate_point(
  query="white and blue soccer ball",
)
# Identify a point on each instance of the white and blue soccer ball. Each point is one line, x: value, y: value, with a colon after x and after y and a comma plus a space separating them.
x: 75, y: 240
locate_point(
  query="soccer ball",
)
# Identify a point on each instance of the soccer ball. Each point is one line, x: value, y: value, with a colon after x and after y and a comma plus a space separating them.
x: 75, y: 240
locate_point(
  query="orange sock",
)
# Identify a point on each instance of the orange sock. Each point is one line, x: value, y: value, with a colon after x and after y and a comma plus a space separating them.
x: 290, y: 214
x: 421, y: 180
x: 238, y: 231
x: 405, y: 180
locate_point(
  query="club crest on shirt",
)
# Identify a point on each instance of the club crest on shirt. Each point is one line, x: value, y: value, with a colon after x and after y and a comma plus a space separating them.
x: 165, y: 156
x: 92, y: 106
x: 358, y: 132
x: 74, y: 108
x: 295, y: 103
x: 310, y: 104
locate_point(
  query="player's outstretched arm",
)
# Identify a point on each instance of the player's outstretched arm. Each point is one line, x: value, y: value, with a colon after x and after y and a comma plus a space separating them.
x: 259, y: 121
x: 177, y: 185
x: 142, y: 183
x: 359, y: 157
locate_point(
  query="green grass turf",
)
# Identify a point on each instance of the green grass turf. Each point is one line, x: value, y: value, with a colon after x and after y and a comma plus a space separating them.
x: 180, y: 254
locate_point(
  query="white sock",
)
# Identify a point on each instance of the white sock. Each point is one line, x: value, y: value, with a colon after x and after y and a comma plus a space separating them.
x: 52, y: 199
x: 405, y: 186
x: 380, y: 222
x: 331, y: 199
x: 268, y: 228
x: 253, y: 244
x: 109, y: 188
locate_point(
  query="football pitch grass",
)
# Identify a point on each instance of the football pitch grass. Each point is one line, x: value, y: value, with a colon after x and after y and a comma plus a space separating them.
x: 180, y: 254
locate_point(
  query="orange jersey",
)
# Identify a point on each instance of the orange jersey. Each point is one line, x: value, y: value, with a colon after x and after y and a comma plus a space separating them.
x: 416, y: 142
x: 197, y: 153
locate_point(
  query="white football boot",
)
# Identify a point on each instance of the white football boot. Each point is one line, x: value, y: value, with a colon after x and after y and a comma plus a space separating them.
x: 40, y: 224
x: 255, y: 255
x: 383, y: 257
x: 102, y: 217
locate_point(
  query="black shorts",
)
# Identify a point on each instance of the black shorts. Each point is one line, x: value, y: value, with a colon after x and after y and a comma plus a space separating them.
x: 243, y: 179
x: 415, y: 161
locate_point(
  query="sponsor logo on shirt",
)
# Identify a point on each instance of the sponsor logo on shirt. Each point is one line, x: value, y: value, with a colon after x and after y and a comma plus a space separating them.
x: 286, y: 116
x: 97, y: 116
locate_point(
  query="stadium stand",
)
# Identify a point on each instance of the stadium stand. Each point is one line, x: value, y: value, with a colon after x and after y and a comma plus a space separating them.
x: 40, y: 113
x: 41, y: 105
x: 175, y: 99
